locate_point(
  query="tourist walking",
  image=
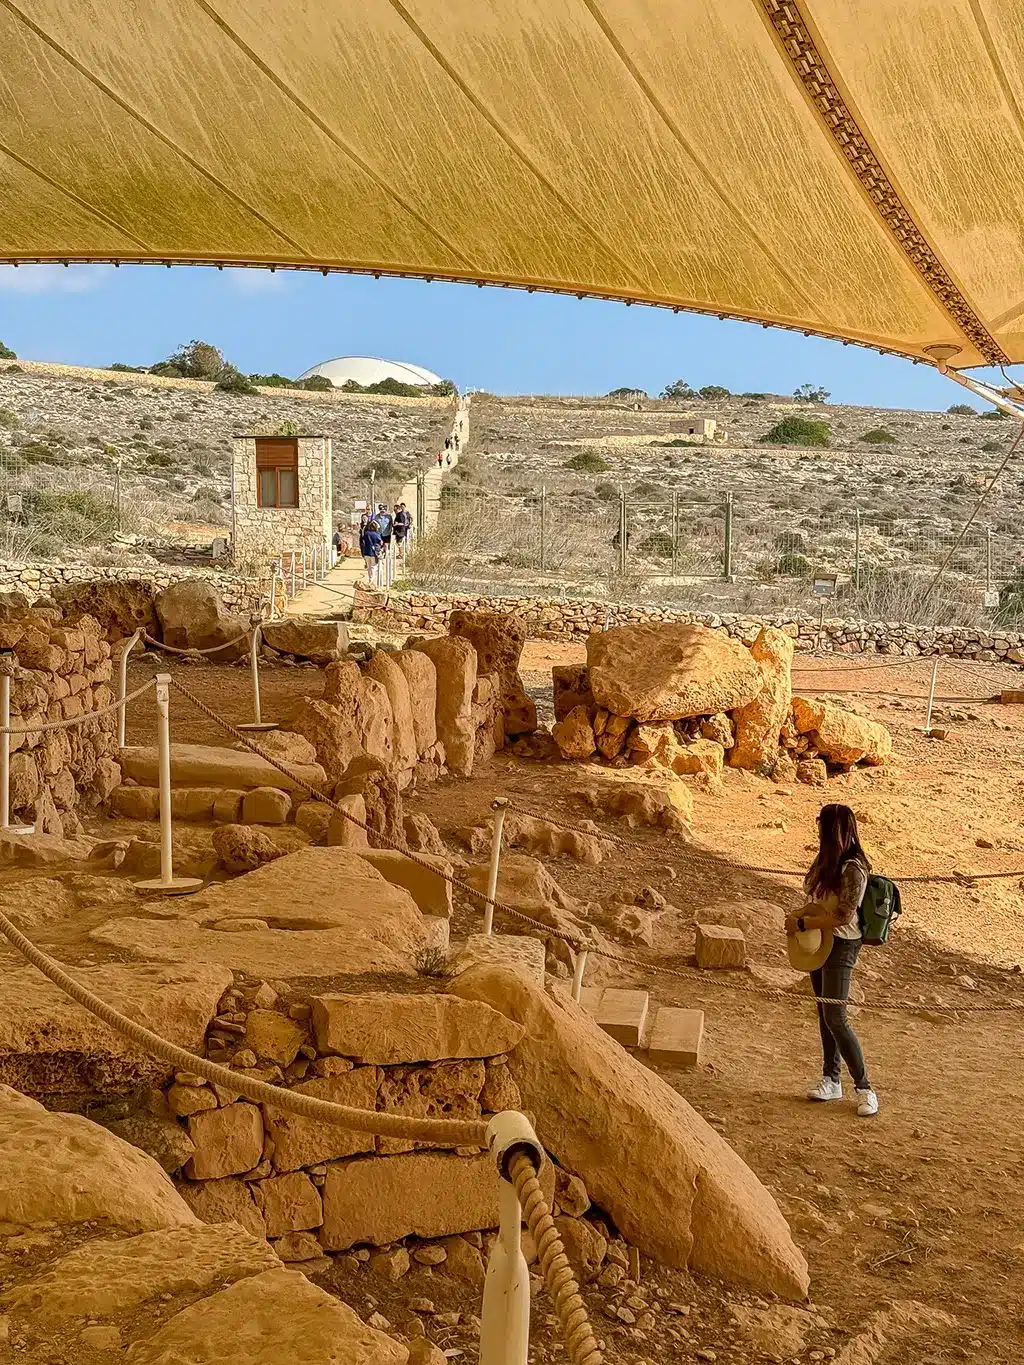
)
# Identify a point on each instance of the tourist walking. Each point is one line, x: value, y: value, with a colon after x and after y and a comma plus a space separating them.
x: 370, y: 547
x: 384, y: 523
x: 825, y: 940
x: 403, y: 524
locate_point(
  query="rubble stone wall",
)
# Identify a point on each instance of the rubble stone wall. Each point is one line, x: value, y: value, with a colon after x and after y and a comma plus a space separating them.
x: 39, y: 579
x: 576, y: 620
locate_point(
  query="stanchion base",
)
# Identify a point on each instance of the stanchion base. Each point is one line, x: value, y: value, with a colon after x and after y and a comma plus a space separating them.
x: 18, y: 829
x: 177, y: 886
x: 259, y: 725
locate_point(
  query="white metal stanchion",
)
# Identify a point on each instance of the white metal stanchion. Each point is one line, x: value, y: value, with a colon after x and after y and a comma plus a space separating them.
x: 577, y: 976
x: 931, y: 697
x: 505, y: 1319
x: 303, y: 566
x: 5, y: 753
x: 500, y: 808
x: 293, y: 573
x: 273, y: 591
x: 257, y: 722
x: 167, y: 884
x: 122, y: 685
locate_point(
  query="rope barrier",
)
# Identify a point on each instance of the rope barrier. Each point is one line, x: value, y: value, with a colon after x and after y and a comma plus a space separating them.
x: 213, y: 649
x: 71, y: 721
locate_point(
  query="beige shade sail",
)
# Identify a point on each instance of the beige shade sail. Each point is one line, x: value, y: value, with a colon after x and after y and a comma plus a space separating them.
x: 848, y: 168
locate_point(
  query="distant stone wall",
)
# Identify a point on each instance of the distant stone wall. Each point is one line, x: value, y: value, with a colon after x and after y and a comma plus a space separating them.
x: 40, y: 578
x: 575, y: 620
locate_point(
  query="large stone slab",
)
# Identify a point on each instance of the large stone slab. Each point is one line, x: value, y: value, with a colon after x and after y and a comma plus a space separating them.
x: 498, y: 638
x: 308, y: 637
x: 669, y: 670
x: 120, y: 1275
x: 192, y: 616
x: 50, y: 1044
x: 205, y: 765
x: 427, y: 885
x: 268, y: 1319
x: 383, y: 669
x: 674, y: 1187
x: 315, y: 912
x: 521, y: 951
x: 388, y: 1028
x: 62, y: 1169
x: 456, y: 665
x: 421, y: 677
x: 759, y: 723
x: 841, y: 736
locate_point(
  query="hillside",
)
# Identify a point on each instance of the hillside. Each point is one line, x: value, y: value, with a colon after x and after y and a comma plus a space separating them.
x: 66, y: 442
x: 914, y: 477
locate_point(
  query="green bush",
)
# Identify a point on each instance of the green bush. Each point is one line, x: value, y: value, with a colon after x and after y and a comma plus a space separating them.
x: 128, y: 369
x: 446, y: 389
x: 234, y: 382
x: 677, y: 389
x: 627, y: 391
x: 6, y: 353
x: 879, y: 436
x: 197, y: 360
x: 316, y: 383
x: 790, y: 542
x: 76, y: 517
x: 793, y: 566
x: 798, y: 431
x: 146, y: 422
x: 272, y: 381
x: 991, y: 447
x: 682, y: 441
x: 962, y: 410
x: 9, y: 419
x: 607, y: 492
x: 588, y: 462
x: 994, y: 415
x: 811, y: 393
x: 713, y: 391
x: 159, y: 459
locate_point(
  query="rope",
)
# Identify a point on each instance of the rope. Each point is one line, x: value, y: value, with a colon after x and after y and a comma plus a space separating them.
x: 72, y: 721
x: 580, y: 1344
x: 214, y: 649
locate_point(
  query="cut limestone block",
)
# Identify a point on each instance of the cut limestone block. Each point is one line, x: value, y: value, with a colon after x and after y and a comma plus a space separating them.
x: 436, y: 932
x: 720, y: 946
x: 507, y: 950
x: 266, y: 806
x: 427, y: 885
x: 388, y: 1029
x: 676, y: 1037
x: 205, y: 765
x: 622, y: 1014
x: 590, y: 998
x: 228, y: 1141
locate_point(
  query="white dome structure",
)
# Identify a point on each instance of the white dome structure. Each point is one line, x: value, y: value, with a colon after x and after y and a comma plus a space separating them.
x: 369, y: 369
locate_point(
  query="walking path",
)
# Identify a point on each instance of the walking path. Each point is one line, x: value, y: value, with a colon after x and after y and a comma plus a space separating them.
x: 334, y: 595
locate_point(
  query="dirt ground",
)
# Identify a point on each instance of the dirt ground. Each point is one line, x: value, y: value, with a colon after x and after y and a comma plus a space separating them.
x: 923, y: 1203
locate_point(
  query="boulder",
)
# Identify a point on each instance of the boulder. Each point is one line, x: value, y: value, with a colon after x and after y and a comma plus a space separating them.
x: 158, y: 1135
x: 525, y: 885
x: 455, y: 662
x: 537, y: 836
x: 570, y: 688
x: 240, y: 848
x: 121, y: 607
x: 498, y: 639
x: 574, y: 735
x: 192, y: 616
x: 421, y: 677
x: 759, y: 723
x: 331, y: 731
x: 345, y: 833
x: 383, y: 669
x: 428, y: 885
x: 264, y: 1320
x: 669, y: 670
x: 812, y: 771
x: 382, y: 800
x: 674, y: 1187
x: 388, y: 1029
x: 266, y: 806
x: 62, y: 1169
x: 307, y: 637
x: 665, y: 803
x: 315, y: 818
x: 422, y: 835
x: 839, y: 735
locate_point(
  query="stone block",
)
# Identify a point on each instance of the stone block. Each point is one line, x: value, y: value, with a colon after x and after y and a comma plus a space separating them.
x: 508, y: 950
x: 291, y: 1203
x: 302, y: 1142
x: 676, y: 1037
x: 590, y: 998
x: 228, y: 1141
x: 192, y: 803
x: 427, y: 885
x: 436, y: 932
x: 273, y: 1036
x: 227, y: 809
x: 622, y: 1014
x: 135, y: 803
x: 266, y: 806
x: 387, y: 1029
x: 342, y: 833
x: 720, y: 946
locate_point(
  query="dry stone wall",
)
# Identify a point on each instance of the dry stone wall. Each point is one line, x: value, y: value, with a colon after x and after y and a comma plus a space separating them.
x: 578, y: 619
x: 42, y: 578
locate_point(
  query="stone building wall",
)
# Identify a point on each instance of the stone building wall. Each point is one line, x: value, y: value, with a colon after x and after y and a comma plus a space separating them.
x: 261, y: 533
x: 40, y: 578
x: 575, y: 620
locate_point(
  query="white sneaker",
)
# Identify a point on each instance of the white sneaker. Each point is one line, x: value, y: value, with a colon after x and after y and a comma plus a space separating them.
x: 867, y: 1104
x: 826, y: 1090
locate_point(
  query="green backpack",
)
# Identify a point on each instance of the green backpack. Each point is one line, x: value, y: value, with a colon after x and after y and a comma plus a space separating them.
x: 879, y: 910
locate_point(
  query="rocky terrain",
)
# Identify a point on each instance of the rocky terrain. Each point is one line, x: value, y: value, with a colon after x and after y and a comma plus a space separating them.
x: 76, y: 449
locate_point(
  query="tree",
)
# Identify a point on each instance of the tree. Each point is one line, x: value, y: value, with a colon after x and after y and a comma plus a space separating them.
x: 446, y: 389
x: 798, y: 431
x: 317, y: 383
x: 6, y: 353
x: 197, y: 360
x: 713, y: 391
x: 810, y: 393
x: 234, y: 381
x: 627, y: 391
x: 962, y: 410
x: 677, y: 389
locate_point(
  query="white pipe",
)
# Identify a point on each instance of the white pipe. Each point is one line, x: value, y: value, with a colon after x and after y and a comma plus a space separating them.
x: 254, y: 664
x: 577, y: 976
x: 505, y: 1319
x: 273, y: 591
x: 500, y: 807
x: 167, y: 883
x: 931, y: 697
x: 122, y: 685
x: 293, y: 573
x: 5, y: 752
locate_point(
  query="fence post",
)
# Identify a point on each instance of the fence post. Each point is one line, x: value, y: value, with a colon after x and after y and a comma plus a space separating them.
x: 167, y: 884
x: 543, y: 528
x: 500, y: 806
x: 7, y: 665
x: 727, y: 547
x: 578, y: 973
x: 988, y: 558
x: 122, y: 685
x: 675, y: 533
x: 931, y: 697
x: 623, y: 532
x: 373, y: 486
x: 421, y: 506
x: 505, y: 1318
x: 303, y: 563
x: 273, y: 590
x: 293, y: 573
x: 856, y: 551
x: 257, y: 722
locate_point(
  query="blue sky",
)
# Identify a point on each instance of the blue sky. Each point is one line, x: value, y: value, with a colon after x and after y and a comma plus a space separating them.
x: 497, y: 339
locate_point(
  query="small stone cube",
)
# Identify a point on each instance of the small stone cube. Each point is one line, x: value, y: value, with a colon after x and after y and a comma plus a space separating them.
x: 720, y: 946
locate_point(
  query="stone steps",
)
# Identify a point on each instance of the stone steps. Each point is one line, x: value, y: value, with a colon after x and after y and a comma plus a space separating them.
x: 207, y: 765
x: 670, y: 1036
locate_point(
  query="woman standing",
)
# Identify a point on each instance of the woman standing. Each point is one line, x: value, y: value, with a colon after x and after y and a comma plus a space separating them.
x: 835, y: 887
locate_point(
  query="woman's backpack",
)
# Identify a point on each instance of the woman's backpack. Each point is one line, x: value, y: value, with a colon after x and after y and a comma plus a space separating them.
x: 879, y: 910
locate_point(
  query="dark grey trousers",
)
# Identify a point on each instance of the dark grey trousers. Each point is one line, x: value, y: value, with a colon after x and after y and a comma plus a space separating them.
x: 838, y: 1040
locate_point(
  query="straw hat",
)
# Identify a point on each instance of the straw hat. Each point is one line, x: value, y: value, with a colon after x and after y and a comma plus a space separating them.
x: 809, y: 949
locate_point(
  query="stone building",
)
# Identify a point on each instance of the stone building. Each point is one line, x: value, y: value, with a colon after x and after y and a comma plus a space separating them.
x: 281, y: 495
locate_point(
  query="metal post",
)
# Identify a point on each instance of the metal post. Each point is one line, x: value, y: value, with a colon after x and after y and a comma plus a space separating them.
x: 122, y: 685
x: 543, y: 528
x: 988, y: 559
x: 856, y: 551
x: 675, y: 536
x: 577, y: 976
x: 931, y: 697
x: 727, y: 547
x: 273, y: 590
x: 303, y: 563
x: 293, y: 573
x: 5, y: 754
x: 373, y: 486
x: 500, y: 808
x: 623, y: 532
x: 257, y: 722
x: 167, y: 883
x: 421, y: 505
x: 505, y: 1319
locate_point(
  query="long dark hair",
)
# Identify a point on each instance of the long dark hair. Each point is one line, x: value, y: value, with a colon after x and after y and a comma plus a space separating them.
x: 838, y: 842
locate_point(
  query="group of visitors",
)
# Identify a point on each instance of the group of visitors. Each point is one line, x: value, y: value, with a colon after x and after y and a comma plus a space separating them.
x: 378, y: 529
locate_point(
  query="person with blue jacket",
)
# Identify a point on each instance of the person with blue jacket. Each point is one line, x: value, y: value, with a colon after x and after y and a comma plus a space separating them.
x: 370, y: 547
